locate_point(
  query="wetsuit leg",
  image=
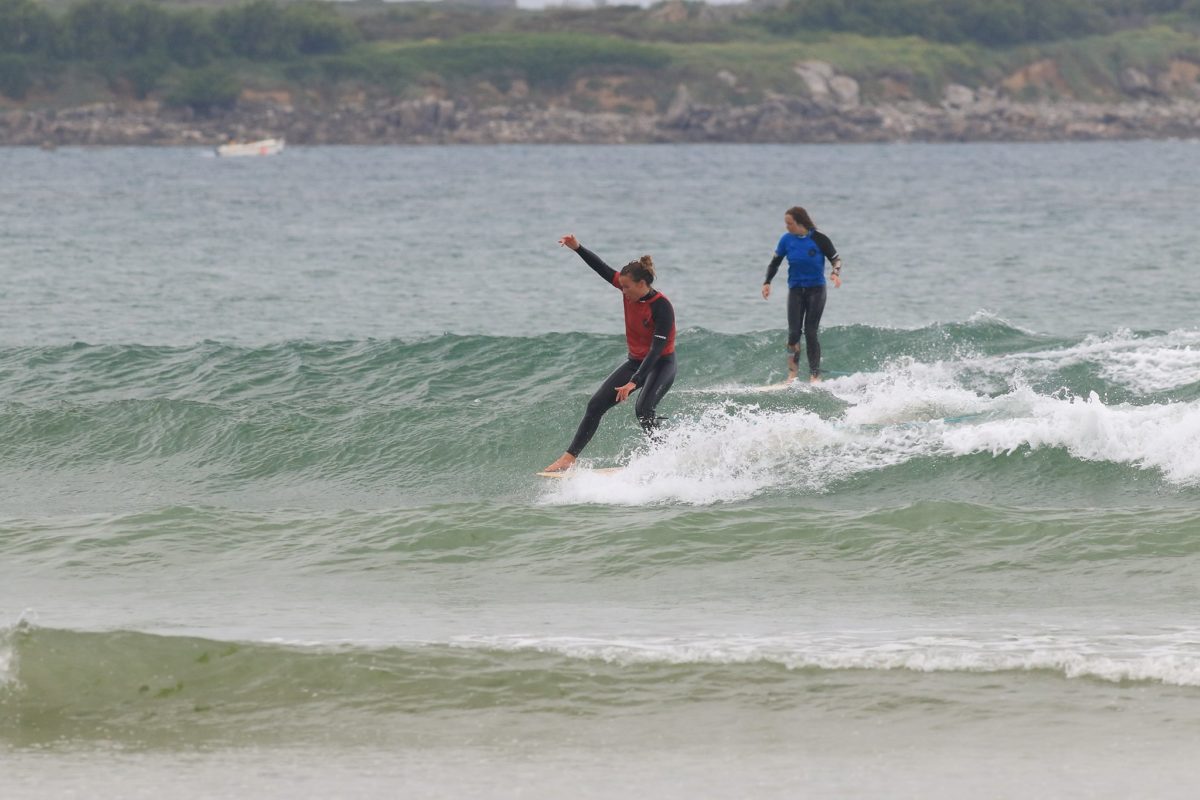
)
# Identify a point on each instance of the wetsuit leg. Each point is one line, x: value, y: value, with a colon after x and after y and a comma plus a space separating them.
x: 657, y: 384
x: 814, y: 307
x: 795, y: 310
x: 604, y: 399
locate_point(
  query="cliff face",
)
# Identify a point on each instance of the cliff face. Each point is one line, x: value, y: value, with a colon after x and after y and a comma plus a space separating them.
x: 828, y: 108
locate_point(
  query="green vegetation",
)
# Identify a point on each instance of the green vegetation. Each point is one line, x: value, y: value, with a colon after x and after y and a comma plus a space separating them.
x: 543, y: 60
x: 15, y: 77
x: 206, y: 89
x: 996, y: 23
x: 203, y: 57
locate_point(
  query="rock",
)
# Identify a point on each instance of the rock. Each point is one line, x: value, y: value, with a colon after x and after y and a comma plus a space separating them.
x: 1042, y: 77
x: 680, y: 108
x: 816, y: 76
x: 1134, y: 81
x: 672, y: 12
x: 958, y: 96
x: 839, y: 116
x: 1180, y: 77
x: 518, y: 89
x: 844, y: 90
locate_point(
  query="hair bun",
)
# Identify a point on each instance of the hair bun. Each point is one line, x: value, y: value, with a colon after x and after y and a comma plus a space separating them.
x: 640, y: 270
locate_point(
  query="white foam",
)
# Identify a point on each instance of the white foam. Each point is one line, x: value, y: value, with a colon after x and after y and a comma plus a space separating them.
x: 984, y: 315
x: 734, y: 451
x: 909, y: 410
x: 1148, y: 364
x: 907, y: 391
x: 729, y: 453
x: 1163, y: 437
x: 8, y: 664
x: 1154, y: 369
x: 8, y: 654
x: 6, y: 668
x: 1165, y: 658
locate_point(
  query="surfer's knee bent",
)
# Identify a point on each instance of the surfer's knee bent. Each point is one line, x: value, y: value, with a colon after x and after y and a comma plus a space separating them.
x: 644, y: 407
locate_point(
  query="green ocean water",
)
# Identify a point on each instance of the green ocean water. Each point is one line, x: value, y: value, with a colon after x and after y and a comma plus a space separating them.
x: 269, y: 523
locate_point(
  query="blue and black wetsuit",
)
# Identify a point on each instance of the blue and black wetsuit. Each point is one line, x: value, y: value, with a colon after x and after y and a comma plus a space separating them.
x: 650, y: 335
x: 806, y: 288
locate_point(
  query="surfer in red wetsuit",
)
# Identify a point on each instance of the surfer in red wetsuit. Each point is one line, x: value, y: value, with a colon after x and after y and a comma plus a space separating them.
x: 650, y: 334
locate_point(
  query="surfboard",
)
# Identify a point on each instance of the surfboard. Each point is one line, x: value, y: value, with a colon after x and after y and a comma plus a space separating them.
x: 575, y: 471
x: 772, y: 387
x: 797, y: 385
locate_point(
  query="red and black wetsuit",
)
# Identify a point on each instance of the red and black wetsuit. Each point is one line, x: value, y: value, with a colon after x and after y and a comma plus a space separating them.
x: 650, y: 335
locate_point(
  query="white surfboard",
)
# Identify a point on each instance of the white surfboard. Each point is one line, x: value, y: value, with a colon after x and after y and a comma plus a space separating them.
x: 773, y: 387
x: 795, y: 386
x: 577, y: 471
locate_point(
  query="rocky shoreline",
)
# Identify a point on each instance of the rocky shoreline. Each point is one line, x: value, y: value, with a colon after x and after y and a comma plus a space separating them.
x: 778, y: 120
x: 830, y: 110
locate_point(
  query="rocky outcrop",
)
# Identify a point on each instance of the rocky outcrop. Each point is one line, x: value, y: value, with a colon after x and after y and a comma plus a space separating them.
x: 825, y: 86
x: 827, y: 107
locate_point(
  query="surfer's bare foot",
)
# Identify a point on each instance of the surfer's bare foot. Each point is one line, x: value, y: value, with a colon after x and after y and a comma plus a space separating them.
x: 814, y: 378
x: 793, y: 363
x: 564, y: 463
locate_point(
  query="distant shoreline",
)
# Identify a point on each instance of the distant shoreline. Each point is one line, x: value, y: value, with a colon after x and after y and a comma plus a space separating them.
x: 779, y: 119
x: 99, y: 73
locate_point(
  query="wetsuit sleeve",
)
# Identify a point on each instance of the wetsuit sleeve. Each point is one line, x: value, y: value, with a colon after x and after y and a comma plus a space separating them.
x: 663, y: 314
x: 780, y: 252
x: 772, y: 268
x: 826, y: 246
x: 596, y: 263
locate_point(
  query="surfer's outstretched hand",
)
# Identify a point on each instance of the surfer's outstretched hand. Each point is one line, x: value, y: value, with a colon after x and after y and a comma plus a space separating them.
x: 623, y: 391
x: 564, y: 463
x: 569, y: 241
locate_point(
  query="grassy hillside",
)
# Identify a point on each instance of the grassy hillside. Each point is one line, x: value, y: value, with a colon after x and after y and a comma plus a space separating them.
x: 207, y: 54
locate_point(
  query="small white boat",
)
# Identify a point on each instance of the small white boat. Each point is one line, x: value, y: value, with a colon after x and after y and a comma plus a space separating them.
x: 263, y: 147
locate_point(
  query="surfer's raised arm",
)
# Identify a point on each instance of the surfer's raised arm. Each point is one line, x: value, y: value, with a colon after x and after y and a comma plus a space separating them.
x: 591, y: 259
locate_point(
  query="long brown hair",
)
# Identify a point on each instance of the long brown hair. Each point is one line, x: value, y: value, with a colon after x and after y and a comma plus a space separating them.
x: 640, y: 270
x: 801, y: 216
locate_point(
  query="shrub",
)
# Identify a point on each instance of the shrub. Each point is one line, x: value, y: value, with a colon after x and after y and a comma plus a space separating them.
x: 15, y: 77
x: 206, y: 89
x: 26, y: 27
x: 545, y: 59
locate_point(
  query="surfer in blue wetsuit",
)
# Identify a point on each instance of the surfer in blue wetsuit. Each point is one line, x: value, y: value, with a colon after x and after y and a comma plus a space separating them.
x: 650, y: 336
x: 806, y: 250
